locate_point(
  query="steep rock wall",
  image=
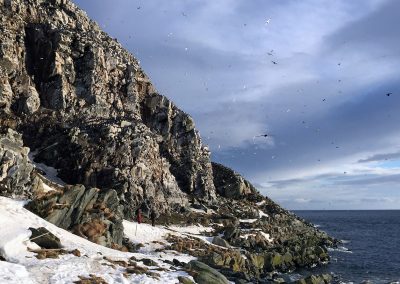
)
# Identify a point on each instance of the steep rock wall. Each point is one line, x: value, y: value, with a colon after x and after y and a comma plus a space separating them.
x: 62, y: 78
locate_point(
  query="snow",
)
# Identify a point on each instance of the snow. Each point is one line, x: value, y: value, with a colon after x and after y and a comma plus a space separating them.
x: 260, y: 203
x: 262, y: 214
x: 154, y: 237
x: 246, y: 236
x: 267, y: 237
x: 47, y: 188
x: 247, y: 220
x: 51, y: 173
x: 22, y: 267
x: 14, y: 273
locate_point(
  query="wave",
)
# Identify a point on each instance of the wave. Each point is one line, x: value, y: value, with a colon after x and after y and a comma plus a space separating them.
x: 340, y: 249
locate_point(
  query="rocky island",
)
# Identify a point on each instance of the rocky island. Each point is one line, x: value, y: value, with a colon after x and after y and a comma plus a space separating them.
x: 87, y: 140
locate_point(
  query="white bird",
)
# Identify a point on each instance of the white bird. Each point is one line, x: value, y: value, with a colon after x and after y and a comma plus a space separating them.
x: 268, y: 21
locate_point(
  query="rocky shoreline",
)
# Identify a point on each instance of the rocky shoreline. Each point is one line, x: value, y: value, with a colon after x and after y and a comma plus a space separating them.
x: 82, y: 106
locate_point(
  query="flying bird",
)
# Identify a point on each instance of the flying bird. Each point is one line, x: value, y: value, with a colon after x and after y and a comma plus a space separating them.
x: 183, y: 14
x: 140, y: 7
x: 274, y: 62
x: 388, y: 94
x: 268, y: 21
x: 264, y: 135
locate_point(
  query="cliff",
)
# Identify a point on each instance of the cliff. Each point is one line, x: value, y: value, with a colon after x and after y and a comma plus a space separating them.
x: 80, y: 104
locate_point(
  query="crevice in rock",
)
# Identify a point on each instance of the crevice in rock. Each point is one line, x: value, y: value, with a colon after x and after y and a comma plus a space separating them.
x: 40, y: 60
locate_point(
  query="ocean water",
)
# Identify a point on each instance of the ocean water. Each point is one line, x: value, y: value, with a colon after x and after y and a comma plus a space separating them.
x: 371, y: 244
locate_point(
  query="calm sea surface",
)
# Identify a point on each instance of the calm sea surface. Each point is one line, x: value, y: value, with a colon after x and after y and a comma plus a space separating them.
x: 371, y: 248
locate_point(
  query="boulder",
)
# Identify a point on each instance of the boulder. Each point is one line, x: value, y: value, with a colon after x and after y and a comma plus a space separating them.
x: 273, y: 261
x: 316, y: 279
x: 230, y: 184
x: 44, y: 238
x: 30, y: 102
x: 185, y: 280
x: 91, y: 214
x: 220, y: 242
x: 231, y: 232
x: 204, y: 274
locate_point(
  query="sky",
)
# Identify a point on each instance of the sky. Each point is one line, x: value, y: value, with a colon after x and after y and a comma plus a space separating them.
x: 320, y: 78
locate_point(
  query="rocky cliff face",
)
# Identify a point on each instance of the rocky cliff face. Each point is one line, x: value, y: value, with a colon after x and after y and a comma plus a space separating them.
x: 16, y: 178
x: 84, y: 107
x: 88, y: 109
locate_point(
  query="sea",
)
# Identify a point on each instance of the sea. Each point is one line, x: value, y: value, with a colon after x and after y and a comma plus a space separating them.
x: 370, y: 251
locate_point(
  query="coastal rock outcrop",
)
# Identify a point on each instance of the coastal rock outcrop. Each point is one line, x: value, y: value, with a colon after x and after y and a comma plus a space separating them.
x: 103, y: 143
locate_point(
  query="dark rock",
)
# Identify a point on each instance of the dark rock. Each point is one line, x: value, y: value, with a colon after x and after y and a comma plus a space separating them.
x: 231, y: 232
x: 205, y: 274
x: 230, y: 184
x: 273, y: 261
x: 220, y: 242
x: 316, y: 279
x: 44, y: 238
x: 178, y: 263
x: 148, y: 262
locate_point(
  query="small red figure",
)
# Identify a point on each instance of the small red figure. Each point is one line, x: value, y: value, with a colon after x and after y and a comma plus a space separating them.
x: 139, y: 217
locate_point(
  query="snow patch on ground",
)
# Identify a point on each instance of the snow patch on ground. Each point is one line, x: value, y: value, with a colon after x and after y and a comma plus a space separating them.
x: 262, y: 214
x: 11, y: 273
x: 260, y: 203
x: 51, y: 173
x: 267, y: 237
x: 22, y: 267
x: 247, y: 220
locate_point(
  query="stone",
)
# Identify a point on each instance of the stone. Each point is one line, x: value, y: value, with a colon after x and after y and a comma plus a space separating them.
x: 258, y: 261
x: 231, y: 232
x: 273, y: 261
x: 85, y: 212
x: 184, y: 280
x: 230, y: 184
x: 316, y: 279
x: 44, y: 238
x: 149, y: 262
x: 30, y: 103
x: 205, y: 274
x: 220, y: 242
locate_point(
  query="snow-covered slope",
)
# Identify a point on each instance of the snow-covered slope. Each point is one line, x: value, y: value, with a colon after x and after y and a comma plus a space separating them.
x: 23, y: 267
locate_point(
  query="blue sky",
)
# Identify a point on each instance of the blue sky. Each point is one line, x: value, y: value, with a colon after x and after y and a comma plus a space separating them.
x: 334, y: 130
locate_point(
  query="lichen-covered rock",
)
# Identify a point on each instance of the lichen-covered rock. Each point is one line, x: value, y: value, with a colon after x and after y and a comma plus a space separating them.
x: 204, y: 274
x: 316, y: 279
x: 89, y: 213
